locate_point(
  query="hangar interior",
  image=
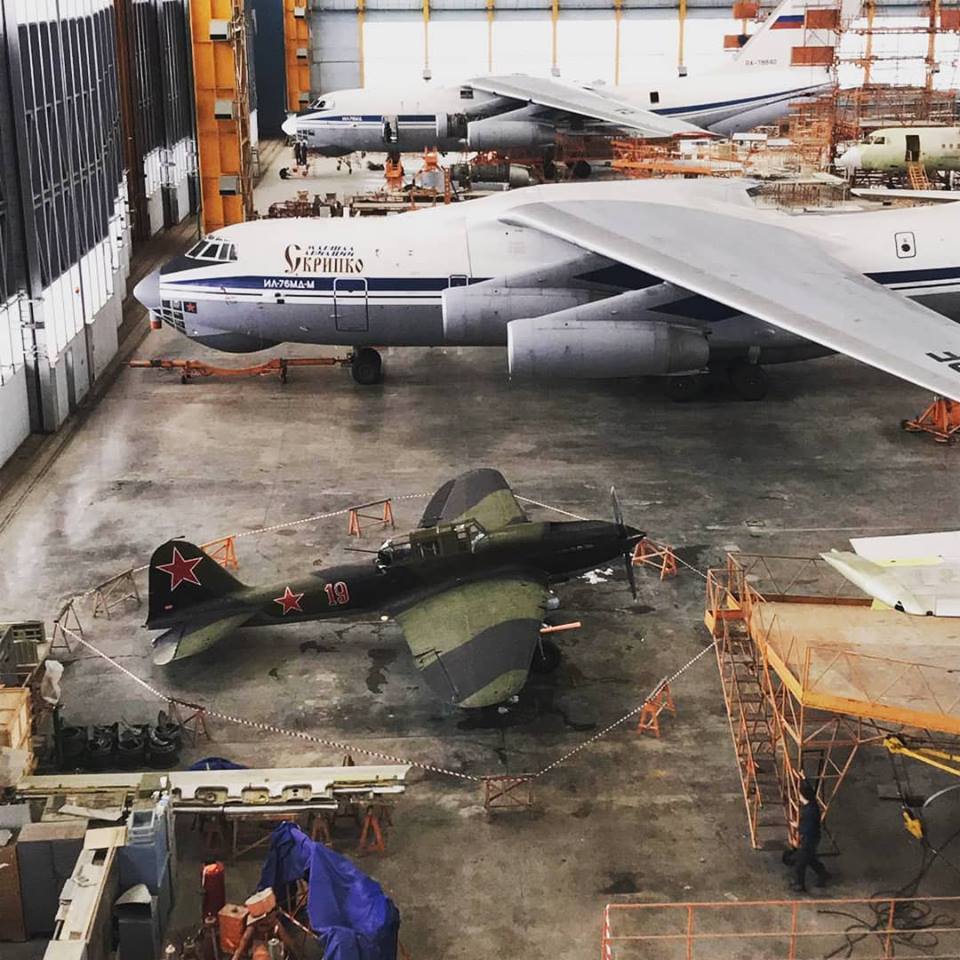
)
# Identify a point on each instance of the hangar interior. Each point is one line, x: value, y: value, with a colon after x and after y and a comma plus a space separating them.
x: 579, y: 656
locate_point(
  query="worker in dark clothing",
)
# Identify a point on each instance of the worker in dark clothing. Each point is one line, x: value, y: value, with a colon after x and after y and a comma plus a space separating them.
x: 809, y: 831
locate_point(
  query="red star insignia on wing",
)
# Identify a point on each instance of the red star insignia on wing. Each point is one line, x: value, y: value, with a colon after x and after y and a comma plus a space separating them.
x: 289, y: 601
x: 180, y: 569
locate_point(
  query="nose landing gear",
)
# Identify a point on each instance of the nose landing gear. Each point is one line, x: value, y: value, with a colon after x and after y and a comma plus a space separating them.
x: 366, y: 365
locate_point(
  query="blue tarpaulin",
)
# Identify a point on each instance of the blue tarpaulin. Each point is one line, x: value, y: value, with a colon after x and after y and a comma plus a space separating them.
x: 357, y: 920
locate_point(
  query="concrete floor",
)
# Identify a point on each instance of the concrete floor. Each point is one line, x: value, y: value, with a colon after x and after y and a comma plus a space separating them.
x: 822, y: 459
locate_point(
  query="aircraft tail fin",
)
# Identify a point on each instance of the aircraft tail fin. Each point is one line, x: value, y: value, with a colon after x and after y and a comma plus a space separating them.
x: 773, y: 42
x: 182, y: 577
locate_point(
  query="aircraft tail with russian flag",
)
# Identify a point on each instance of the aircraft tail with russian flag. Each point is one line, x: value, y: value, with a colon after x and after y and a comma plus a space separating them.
x: 788, y: 28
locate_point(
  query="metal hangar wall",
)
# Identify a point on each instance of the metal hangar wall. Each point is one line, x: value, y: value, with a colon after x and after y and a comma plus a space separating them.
x: 95, y: 110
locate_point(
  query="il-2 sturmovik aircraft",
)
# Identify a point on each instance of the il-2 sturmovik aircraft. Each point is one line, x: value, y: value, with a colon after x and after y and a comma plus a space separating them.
x: 526, y: 113
x: 666, y: 278
x: 469, y: 588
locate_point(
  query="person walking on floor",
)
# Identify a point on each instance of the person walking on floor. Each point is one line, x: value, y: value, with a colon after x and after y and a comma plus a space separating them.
x: 808, y: 829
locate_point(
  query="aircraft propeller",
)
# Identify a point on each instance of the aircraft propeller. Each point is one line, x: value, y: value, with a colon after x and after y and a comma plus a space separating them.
x: 627, y: 540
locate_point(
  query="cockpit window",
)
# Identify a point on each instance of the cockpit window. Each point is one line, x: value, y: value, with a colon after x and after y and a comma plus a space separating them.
x: 876, y: 139
x: 321, y: 104
x: 213, y: 251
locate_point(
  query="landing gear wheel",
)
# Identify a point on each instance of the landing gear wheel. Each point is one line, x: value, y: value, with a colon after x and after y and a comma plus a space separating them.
x: 367, y: 366
x: 546, y: 658
x: 749, y: 380
x: 684, y: 388
x: 581, y: 170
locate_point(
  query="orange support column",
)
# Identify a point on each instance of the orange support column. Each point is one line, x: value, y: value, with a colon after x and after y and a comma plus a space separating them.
x: 221, y: 94
x: 296, y: 46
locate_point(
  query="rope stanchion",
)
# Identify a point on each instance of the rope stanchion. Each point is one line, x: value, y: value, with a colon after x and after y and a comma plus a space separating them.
x: 570, y: 754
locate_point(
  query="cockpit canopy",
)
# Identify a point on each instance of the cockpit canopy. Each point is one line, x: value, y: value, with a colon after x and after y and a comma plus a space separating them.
x: 445, y: 540
x: 212, y: 250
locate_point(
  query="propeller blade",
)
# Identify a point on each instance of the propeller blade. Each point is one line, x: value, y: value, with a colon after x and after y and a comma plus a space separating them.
x: 631, y: 576
x: 617, y: 510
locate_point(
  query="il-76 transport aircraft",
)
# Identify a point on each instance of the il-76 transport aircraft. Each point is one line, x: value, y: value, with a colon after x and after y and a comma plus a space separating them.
x: 525, y: 113
x: 615, y: 279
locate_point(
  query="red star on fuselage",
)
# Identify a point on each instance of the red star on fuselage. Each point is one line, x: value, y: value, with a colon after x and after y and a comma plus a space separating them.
x: 289, y: 601
x: 180, y: 569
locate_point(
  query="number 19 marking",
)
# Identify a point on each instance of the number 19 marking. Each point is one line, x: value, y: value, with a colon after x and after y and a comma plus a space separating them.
x: 338, y: 593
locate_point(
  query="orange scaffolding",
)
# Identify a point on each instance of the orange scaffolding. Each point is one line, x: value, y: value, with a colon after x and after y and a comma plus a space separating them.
x: 867, y: 929
x: 807, y: 680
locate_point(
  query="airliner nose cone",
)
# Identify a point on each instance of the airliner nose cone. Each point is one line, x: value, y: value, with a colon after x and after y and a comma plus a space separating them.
x: 147, y: 291
x: 851, y: 160
x: 289, y: 126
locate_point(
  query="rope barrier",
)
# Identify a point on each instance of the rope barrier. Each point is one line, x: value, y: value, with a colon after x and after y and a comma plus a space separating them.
x: 353, y: 748
x: 256, y: 725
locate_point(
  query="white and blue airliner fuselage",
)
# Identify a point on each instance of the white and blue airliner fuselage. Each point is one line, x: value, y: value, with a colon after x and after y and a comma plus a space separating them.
x: 473, y: 274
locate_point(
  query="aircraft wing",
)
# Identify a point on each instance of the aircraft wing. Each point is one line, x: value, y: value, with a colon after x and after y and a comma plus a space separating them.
x: 918, y: 196
x: 482, y: 495
x: 766, y: 271
x: 585, y: 103
x: 474, y: 642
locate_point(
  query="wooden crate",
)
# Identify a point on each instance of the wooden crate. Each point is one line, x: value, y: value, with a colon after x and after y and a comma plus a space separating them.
x: 15, y: 726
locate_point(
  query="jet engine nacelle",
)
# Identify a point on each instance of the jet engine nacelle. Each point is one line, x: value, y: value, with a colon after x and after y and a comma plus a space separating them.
x: 542, y: 347
x: 495, y: 133
x: 451, y: 126
x: 477, y: 316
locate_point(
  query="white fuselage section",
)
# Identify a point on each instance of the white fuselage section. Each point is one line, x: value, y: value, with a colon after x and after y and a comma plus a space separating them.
x: 391, y: 120
x: 891, y: 149
x: 373, y: 281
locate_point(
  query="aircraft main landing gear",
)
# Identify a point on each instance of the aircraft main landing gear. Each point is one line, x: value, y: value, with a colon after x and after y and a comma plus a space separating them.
x: 748, y: 380
x: 684, y: 387
x: 366, y: 366
x: 546, y: 658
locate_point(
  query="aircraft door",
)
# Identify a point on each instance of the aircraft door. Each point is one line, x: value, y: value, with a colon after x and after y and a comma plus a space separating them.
x: 913, y: 148
x: 391, y: 131
x: 351, y: 308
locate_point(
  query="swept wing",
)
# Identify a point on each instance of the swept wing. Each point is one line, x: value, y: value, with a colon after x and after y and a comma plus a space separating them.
x: 740, y: 263
x: 585, y: 103
x: 474, y: 642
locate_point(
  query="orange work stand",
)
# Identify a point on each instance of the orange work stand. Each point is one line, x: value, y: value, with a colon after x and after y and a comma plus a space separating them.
x: 655, y: 555
x: 385, y: 518
x: 224, y: 551
x: 941, y: 420
x: 651, y: 710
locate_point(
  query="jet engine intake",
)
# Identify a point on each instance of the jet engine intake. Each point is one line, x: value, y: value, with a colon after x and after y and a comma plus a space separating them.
x: 496, y: 133
x: 541, y: 347
x: 451, y: 126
